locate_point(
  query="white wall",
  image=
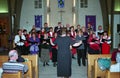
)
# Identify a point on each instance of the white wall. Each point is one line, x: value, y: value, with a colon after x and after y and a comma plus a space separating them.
x: 27, y: 14
x: 55, y: 15
x: 116, y: 38
x: 93, y: 9
x: 28, y: 11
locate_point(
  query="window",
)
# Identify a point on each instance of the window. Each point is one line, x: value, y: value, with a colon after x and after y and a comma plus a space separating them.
x: 38, y: 4
x: 3, y: 6
x: 117, y: 5
x: 83, y: 3
x: 61, y: 3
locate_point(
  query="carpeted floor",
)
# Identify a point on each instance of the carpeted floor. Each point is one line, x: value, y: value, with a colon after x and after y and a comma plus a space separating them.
x: 51, y: 72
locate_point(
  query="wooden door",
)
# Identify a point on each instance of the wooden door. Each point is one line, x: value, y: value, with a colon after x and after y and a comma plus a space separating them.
x: 4, y: 31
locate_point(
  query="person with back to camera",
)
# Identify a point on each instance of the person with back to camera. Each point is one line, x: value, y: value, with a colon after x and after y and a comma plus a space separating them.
x: 64, y: 57
x: 12, y: 66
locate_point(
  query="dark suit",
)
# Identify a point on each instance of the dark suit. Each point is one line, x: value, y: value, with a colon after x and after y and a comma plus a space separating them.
x: 57, y: 30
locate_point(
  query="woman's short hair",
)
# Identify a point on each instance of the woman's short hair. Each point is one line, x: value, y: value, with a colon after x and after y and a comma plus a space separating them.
x: 64, y: 30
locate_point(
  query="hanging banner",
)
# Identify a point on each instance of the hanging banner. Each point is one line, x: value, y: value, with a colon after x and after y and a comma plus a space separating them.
x: 38, y: 22
x: 61, y: 3
x: 91, y: 19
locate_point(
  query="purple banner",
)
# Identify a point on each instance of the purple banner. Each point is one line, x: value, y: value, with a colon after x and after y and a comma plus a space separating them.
x: 91, y: 19
x: 38, y: 21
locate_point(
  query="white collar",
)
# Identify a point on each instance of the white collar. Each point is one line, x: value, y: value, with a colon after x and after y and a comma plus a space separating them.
x: 63, y: 35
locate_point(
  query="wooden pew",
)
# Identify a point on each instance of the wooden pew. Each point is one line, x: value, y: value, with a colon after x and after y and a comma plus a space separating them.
x: 97, y: 71
x: 91, y: 59
x: 112, y: 74
x: 12, y: 75
x: 29, y: 72
x: 13, y: 45
x: 3, y: 59
x: 35, y: 64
